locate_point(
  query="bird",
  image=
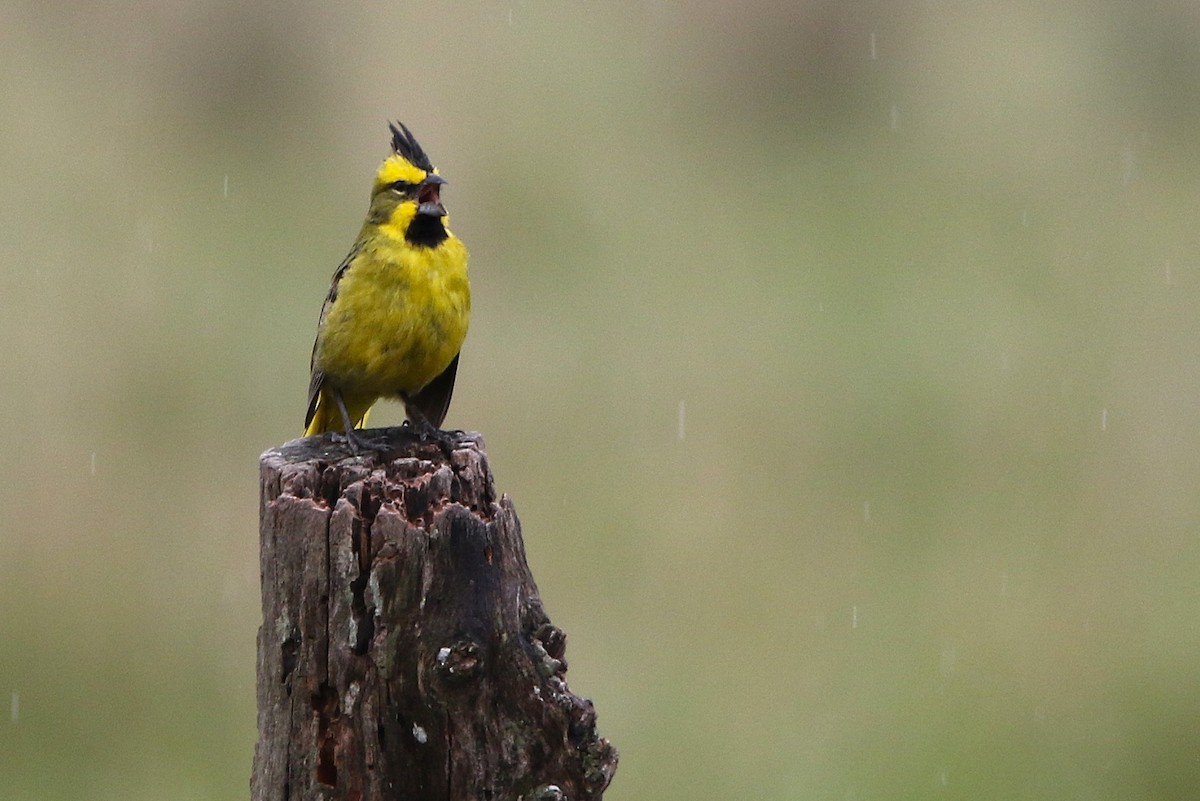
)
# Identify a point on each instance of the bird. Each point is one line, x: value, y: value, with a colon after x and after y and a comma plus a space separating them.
x: 396, y: 315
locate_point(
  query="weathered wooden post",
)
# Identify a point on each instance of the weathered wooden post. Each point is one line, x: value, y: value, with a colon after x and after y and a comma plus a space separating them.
x: 404, y: 652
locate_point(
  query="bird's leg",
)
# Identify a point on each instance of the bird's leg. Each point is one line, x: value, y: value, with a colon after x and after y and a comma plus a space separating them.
x: 351, y: 439
x: 427, y: 431
x: 424, y: 429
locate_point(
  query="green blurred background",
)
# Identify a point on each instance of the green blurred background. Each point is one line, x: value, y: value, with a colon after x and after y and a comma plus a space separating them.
x: 841, y: 359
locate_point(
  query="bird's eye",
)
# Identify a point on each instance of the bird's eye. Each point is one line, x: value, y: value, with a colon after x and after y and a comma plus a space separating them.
x: 403, y: 187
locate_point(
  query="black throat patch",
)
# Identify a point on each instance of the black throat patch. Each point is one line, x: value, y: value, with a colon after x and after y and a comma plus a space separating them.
x: 426, y: 230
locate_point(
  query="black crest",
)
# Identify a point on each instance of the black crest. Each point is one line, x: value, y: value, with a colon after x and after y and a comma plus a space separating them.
x: 404, y: 144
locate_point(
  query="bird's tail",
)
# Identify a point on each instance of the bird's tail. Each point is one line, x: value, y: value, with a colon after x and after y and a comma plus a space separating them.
x: 326, y: 417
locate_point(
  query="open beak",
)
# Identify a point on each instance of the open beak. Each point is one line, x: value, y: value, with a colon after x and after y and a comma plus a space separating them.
x: 429, y: 197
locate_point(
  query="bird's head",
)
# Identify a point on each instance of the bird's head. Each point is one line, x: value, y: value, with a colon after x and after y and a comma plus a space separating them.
x: 408, y: 192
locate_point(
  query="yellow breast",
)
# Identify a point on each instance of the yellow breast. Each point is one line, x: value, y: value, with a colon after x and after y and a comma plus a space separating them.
x: 400, y: 317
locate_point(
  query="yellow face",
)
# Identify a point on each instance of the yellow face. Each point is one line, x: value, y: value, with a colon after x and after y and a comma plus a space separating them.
x: 403, y: 190
x: 396, y: 168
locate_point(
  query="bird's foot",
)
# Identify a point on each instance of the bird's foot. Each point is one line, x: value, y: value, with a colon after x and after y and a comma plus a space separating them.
x: 427, y: 433
x: 355, y: 443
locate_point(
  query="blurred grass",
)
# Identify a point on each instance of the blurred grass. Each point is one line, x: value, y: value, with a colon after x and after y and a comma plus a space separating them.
x: 923, y: 281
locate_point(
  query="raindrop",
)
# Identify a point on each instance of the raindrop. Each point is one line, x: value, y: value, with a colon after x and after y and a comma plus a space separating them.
x: 866, y: 511
x: 14, y: 710
x: 419, y: 734
x: 894, y: 124
x: 225, y: 189
x: 874, y: 55
x: 93, y: 463
x: 1168, y: 272
x: 682, y: 411
x: 854, y: 616
x: 1104, y: 419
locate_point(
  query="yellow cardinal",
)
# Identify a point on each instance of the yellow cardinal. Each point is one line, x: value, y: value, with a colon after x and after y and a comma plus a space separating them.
x: 396, y: 315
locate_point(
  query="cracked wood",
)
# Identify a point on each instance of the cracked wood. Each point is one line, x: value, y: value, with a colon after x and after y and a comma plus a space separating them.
x: 404, y: 652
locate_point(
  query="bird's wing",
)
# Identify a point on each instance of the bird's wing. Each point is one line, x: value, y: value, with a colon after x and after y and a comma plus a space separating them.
x: 433, y: 401
x: 318, y: 376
